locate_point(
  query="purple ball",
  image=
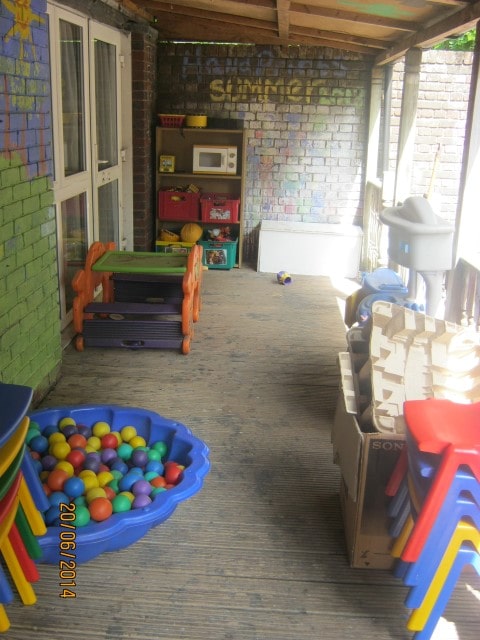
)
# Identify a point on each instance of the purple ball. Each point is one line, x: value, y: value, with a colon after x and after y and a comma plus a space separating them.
x: 92, y: 462
x: 68, y: 430
x: 140, y: 501
x: 83, y: 430
x: 139, y: 458
x: 108, y: 455
x: 141, y: 487
x: 48, y: 462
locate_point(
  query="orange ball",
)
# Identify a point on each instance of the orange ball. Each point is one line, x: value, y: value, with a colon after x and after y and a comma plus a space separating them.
x: 77, y: 441
x: 159, y: 481
x: 56, y: 479
x: 109, y: 492
x: 100, y: 509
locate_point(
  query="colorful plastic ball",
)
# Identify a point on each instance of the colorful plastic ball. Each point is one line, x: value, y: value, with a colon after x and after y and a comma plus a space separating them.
x: 56, y: 437
x: 137, y: 441
x: 155, y: 465
x: 77, y: 441
x: 139, y: 458
x: 128, y: 433
x: 150, y: 475
x: 66, y: 420
x: 118, y: 437
x: 74, y: 487
x: 116, y: 474
x: 32, y: 433
x: 57, y: 498
x: 137, y: 471
x: 80, y: 501
x: 124, y: 451
x: 39, y: 444
x: 108, y: 455
x: 94, y: 442
x: 92, y: 461
x: 100, y: 509
x: 156, y: 491
x: 83, y: 430
x: 69, y: 430
x: 60, y: 450
x: 90, y: 482
x: 100, y: 429
x: 76, y: 457
x: 104, y: 477
x: 159, y: 481
x: 52, y: 516
x: 109, y: 492
x: 153, y: 454
x: 109, y: 441
x: 37, y: 466
x: 127, y: 482
x: 160, y: 446
x: 142, y: 500
x: 121, y: 503
x: 128, y: 494
x: 113, y: 485
x: 141, y: 486
x: 120, y: 466
x: 56, y: 479
x: 48, y: 462
x: 173, y: 471
x: 48, y: 430
x: 66, y: 466
x: 96, y: 492
x: 35, y: 455
x: 82, y: 516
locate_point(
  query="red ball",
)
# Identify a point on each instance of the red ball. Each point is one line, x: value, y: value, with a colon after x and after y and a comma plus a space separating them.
x: 56, y: 479
x: 76, y: 457
x: 100, y: 509
x: 172, y: 472
x: 109, y: 441
x: 109, y: 492
x: 77, y: 441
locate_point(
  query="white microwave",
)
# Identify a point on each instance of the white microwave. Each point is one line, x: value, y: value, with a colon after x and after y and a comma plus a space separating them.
x: 210, y: 158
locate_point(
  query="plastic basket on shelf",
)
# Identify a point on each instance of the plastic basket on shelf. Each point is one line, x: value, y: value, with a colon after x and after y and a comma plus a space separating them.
x: 170, y: 120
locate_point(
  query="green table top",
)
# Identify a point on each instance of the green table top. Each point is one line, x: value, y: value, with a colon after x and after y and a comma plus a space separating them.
x: 141, y: 262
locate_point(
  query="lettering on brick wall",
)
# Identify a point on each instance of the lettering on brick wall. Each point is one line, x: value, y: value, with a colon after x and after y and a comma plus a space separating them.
x: 285, y: 90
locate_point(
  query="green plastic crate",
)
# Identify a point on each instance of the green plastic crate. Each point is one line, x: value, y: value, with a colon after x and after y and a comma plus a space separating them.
x: 219, y: 255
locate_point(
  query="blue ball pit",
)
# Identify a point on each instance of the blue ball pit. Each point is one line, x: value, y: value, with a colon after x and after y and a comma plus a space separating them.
x: 123, y: 529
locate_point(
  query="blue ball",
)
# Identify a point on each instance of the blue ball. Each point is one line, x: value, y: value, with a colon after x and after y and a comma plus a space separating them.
x: 155, y: 465
x: 49, y: 429
x: 39, y: 444
x: 58, y: 497
x: 119, y: 465
x: 127, y: 482
x: 74, y: 487
x: 52, y: 516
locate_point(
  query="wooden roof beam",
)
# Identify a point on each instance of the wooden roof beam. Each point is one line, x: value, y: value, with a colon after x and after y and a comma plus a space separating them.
x: 283, y: 18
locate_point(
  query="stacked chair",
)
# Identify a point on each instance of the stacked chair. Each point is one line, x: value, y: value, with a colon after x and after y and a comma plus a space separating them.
x: 435, y: 505
x: 21, y: 501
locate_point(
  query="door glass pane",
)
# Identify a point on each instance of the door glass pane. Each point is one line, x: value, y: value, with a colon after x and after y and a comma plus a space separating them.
x: 74, y: 233
x: 73, y: 110
x: 108, y: 212
x: 106, y: 104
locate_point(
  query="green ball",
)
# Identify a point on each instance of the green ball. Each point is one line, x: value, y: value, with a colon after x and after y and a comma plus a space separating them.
x: 150, y: 475
x: 116, y: 474
x: 154, y: 454
x: 113, y: 484
x: 82, y: 516
x: 81, y: 501
x: 160, y: 446
x: 124, y: 451
x: 157, y: 490
x: 121, y: 504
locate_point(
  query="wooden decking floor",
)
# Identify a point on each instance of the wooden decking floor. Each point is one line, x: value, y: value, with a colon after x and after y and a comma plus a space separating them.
x: 259, y: 552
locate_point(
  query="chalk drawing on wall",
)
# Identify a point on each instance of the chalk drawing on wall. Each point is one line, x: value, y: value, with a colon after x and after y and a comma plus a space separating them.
x: 23, y: 17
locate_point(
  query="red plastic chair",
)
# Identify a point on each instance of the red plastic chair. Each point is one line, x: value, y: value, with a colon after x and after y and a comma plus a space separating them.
x: 451, y: 431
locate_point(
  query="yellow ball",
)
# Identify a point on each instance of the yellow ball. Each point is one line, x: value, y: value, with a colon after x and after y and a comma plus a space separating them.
x: 104, y: 477
x: 56, y: 437
x: 66, y: 421
x: 87, y: 472
x: 137, y: 441
x: 65, y: 466
x: 95, y: 492
x: 128, y: 433
x: 61, y: 450
x: 95, y: 442
x: 90, y: 482
x: 100, y: 429
x: 129, y: 495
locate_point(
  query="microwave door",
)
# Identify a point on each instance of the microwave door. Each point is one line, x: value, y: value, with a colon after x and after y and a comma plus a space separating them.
x: 214, y: 160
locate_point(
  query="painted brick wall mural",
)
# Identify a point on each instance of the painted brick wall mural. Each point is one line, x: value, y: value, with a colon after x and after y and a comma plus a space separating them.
x: 304, y: 111
x: 30, y: 348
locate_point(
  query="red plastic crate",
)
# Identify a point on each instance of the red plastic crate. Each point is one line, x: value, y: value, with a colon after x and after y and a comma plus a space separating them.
x: 219, y: 207
x: 178, y: 205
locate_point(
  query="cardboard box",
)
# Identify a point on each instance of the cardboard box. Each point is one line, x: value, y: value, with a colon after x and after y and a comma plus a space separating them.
x: 366, y: 462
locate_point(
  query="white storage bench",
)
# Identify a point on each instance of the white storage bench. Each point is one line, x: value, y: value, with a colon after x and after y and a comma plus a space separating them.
x: 309, y: 248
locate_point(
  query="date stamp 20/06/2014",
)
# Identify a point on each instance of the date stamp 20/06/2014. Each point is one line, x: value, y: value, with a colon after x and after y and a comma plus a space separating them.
x: 67, y: 562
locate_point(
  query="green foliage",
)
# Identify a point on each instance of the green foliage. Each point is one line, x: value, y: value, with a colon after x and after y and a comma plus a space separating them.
x: 465, y: 42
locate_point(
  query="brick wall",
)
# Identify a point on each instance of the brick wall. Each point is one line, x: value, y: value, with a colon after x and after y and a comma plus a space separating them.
x: 304, y: 113
x: 144, y: 114
x: 441, y: 116
x: 30, y: 350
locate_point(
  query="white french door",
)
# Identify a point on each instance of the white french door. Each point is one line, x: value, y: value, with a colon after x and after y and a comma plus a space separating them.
x: 91, y: 140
